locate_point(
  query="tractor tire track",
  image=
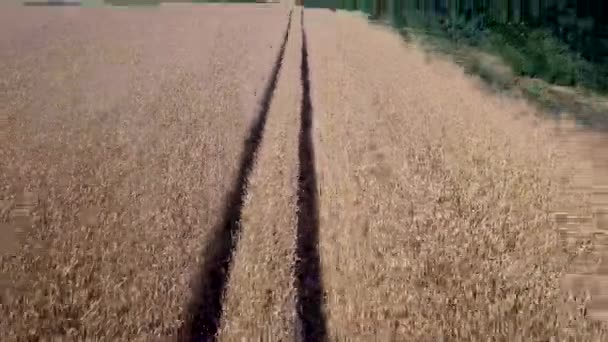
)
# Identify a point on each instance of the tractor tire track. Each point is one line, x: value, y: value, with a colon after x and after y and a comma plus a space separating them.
x: 309, y: 287
x: 259, y: 304
x: 205, y: 309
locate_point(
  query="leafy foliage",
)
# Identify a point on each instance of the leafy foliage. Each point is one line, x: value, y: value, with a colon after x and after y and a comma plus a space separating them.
x: 529, y: 51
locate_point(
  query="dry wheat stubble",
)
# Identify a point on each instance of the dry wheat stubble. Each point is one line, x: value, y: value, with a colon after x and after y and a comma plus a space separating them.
x: 260, y: 297
x: 434, y: 201
x: 206, y: 306
x: 132, y: 179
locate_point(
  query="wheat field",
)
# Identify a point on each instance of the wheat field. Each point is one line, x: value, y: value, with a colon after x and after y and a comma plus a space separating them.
x: 267, y: 172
